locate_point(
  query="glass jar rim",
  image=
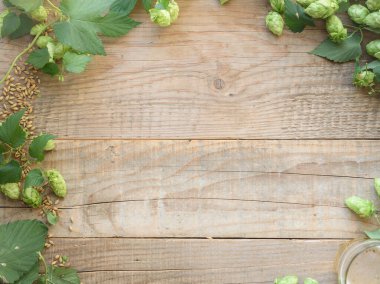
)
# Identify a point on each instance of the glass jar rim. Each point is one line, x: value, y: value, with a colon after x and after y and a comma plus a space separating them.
x: 350, y: 252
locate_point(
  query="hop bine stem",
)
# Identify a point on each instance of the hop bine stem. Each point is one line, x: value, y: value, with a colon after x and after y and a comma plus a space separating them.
x: 45, y: 265
x: 17, y: 58
x: 54, y: 7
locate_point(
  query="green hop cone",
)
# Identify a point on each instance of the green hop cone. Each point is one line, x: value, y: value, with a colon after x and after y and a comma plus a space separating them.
x: 274, y: 23
x: 278, y: 5
x: 322, y: 9
x: 310, y: 281
x: 373, y: 20
x: 57, y: 183
x: 373, y: 48
x: 173, y: 10
x: 50, y: 145
x: 160, y: 17
x: 40, y: 14
x: 305, y: 3
x: 364, y: 79
x: 335, y: 28
x: 358, y: 13
x: 362, y: 207
x: 43, y: 41
x: 32, y: 197
x: 377, y: 186
x: 37, y: 29
x: 11, y: 190
x: 373, y: 5
x: 287, y: 280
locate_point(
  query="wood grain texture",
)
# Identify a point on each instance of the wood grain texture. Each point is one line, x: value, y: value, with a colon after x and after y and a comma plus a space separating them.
x: 243, y: 189
x: 198, y: 261
x: 216, y: 73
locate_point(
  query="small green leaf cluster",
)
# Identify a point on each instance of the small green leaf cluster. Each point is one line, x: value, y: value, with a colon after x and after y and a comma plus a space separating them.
x: 164, y: 13
x: 366, y: 208
x: 20, y: 254
x: 66, y: 36
x: 344, y: 42
x: 292, y: 279
x: 13, y: 170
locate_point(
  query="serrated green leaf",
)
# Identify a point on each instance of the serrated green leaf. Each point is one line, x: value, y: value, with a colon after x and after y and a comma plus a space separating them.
x: 26, y: 5
x: 115, y: 24
x: 26, y: 25
x: 11, y: 132
x: 35, y: 178
x: 75, y: 63
x: 371, y: 65
x: 376, y: 70
x: 10, y: 173
x: 295, y: 18
x: 375, y: 235
x: 147, y: 4
x: 52, y: 218
x: 80, y: 36
x: 11, y: 23
x: 31, y: 276
x: 348, y: 50
x: 36, y: 148
x: 123, y: 6
x: 51, y: 68
x: 61, y: 275
x: 20, y: 242
x: 343, y: 7
x: 39, y: 58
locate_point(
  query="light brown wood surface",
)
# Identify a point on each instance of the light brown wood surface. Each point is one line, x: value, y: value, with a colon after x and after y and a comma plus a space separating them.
x: 209, y: 128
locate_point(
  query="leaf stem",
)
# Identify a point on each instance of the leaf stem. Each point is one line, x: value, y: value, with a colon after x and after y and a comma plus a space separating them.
x: 17, y: 58
x: 54, y: 7
x: 45, y: 265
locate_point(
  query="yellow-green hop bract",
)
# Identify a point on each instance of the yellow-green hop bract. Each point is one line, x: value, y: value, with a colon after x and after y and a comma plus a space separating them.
x: 278, y: 5
x: 11, y: 190
x: 310, y: 281
x: 287, y: 280
x: 322, y: 9
x: 362, y: 207
x: 160, y: 17
x: 364, y: 79
x: 2, y: 16
x: 373, y: 20
x: 57, y: 183
x: 173, y: 9
x: 373, y: 48
x: 31, y: 197
x: 40, y: 14
x: 305, y: 3
x: 358, y: 13
x: 274, y: 23
x: 377, y: 186
x: 43, y: 41
x: 50, y: 145
x: 373, y: 5
x: 335, y: 28
x: 39, y: 28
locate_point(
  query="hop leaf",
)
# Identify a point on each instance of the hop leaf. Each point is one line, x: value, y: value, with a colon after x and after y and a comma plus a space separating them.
x: 295, y: 18
x: 37, y: 147
x: 20, y: 241
x: 39, y: 58
x: 27, y: 6
x: 11, y: 132
x: 35, y: 178
x: 374, y: 235
x: 60, y: 275
x: 10, y: 173
x: 75, y: 63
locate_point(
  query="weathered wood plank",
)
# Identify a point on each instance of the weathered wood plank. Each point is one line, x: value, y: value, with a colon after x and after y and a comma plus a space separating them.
x: 197, y: 261
x: 217, y: 73
x: 271, y: 189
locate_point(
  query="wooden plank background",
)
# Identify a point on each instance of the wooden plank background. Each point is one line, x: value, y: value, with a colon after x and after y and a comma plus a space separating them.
x: 209, y: 128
